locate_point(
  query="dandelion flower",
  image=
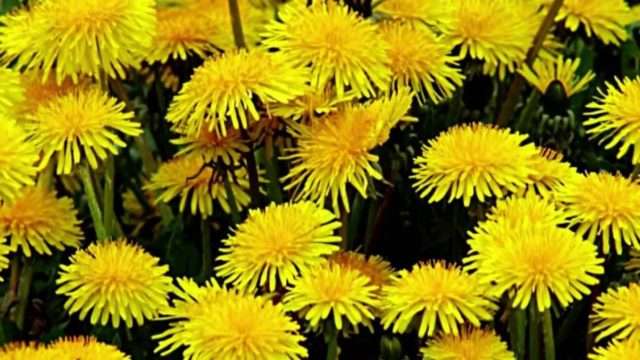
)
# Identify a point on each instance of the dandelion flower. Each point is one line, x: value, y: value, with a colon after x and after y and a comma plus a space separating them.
x: 17, y: 158
x: 437, y: 296
x: 81, y: 124
x: 473, y: 160
x: 337, y: 44
x: 605, y: 206
x: 550, y: 172
x: 215, y: 323
x: 314, y: 103
x: 334, y: 151
x: 617, y: 350
x: 378, y: 270
x: 331, y: 292
x: 614, y: 115
x: 212, y: 146
x: 517, y: 212
x: 84, y: 348
x: 115, y: 281
x: 423, y: 63
x: 273, y: 245
x: 558, y: 70
x: 615, y: 313
x: 603, y: 19
x: 432, y: 12
x: 24, y: 351
x: 11, y: 93
x: 37, y: 219
x: 198, y: 185
x: 471, y: 344
x: 535, y: 261
x: 39, y: 91
x: 222, y: 91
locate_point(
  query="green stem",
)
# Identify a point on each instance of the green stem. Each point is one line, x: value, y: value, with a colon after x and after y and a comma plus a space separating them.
x: 14, y: 281
x: 94, y: 206
x: 547, y: 336
x: 207, y: 253
x: 25, y: 289
x: 332, y: 344
x: 236, y: 24
x: 518, y: 331
x: 231, y: 199
x: 252, y: 169
x: 372, y: 215
x: 354, y: 220
x: 109, y: 189
x: 534, y: 331
x: 344, y: 228
x: 527, y: 113
x: 271, y: 166
x: 45, y: 179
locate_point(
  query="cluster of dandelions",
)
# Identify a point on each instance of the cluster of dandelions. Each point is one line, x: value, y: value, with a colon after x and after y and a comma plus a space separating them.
x: 323, y: 86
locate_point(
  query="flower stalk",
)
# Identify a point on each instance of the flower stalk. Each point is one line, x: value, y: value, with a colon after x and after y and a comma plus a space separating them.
x: 94, y: 206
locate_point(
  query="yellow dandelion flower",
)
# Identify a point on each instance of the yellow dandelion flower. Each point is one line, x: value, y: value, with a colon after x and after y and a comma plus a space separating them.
x: 558, y: 70
x: 602, y: 19
x: 471, y: 344
x: 11, y: 94
x: 79, y: 36
x: 614, y: 116
x: 474, y: 160
x: 315, y: 102
x: 18, y: 156
x: 84, y: 348
x: 25, y: 351
x: 606, y: 206
x: 212, y: 146
x: 224, y: 89
x: 615, y: 313
x: 334, y: 151
x: 272, y: 246
x: 39, y: 91
x: 214, y: 323
x: 335, y: 42
x: 550, y: 172
x: 423, y: 63
x: 335, y: 293
x: 437, y: 296
x: 115, y: 281
x: 378, y: 270
x: 81, y: 124
x: 500, y: 41
x: 198, y: 185
x: 432, y: 12
x: 535, y: 260
x: 617, y: 350
x: 38, y: 219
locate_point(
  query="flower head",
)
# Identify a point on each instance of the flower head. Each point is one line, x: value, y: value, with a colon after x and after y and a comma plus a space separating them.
x: 560, y: 70
x: 213, y: 146
x: 24, y: 351
x: 337, y: 44
x: 78, y: 37
x: 606, y: 206
x: 550, y: 172
x: 115, y: 281
x: 11, y: 93
x: 615, y: 313
x: 215, y: 323
x: 40, y: 91
x: 38, y: 219
x: 335, y: 293
x: 470, y: 344
x: 617, y: 350
x: 84, y: 348
x: 198, y: 185
x: 423, y: 63
x: 378, y: 270
x: 81, y: 124
x: 334, y: 151
x: 222, y: 91
x: 18, y: 156
x: 614, y: 115
x: 473, y: 160
x: 436, y: 294
x: 273, y: 245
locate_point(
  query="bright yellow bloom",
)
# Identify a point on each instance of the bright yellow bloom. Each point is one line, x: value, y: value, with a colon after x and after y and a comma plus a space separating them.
x: 335, y: 293
x: 78, y: 37
x: 84, y: 348
x: 272, y: 246
x: 432, y: 12
x: 198, y: 185
x: 215, y: 323
x: 222, y: 91
x: 337, y: 44
x: 423, y: 63
x: 378, y: 270
x: 335, y: 151
x: 615, y: 313
x: 212, y: 146
x: 471, y: 344
x: 618, y: 350
x: 535, y: 260
x: 498, y: 32
x: 115, y: 281
x: 81, y: 124
x: 437, y: 296
x: 614, y: 116
x: 605, y: 206
x: 550, y: 172
x: 17, y: 158
x: 11, y: 93
x: 558, y: 70
x: 473, y: 160
x: 38, y: 219
x: 39, y: 91
x: 25, y: 351
x: 603, y: 19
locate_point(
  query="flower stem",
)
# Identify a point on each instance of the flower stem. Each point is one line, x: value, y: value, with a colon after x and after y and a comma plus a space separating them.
x: 236, y: 24
x: 109, y: 188
x: 518, y: 331
x: 547, y: 336
x: 509, y: 105
x: 252, y: 169
x: 271, y: 166
x: 231, y: 199
x: 94, y: 206
x: 527, y: 112
x: 14, y: 281
x: 205, y: 230
x: 344, y: 228
x: 354, y: 220
x: 534, y: 331
x: 25, y: 289
x: 332, y: 343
